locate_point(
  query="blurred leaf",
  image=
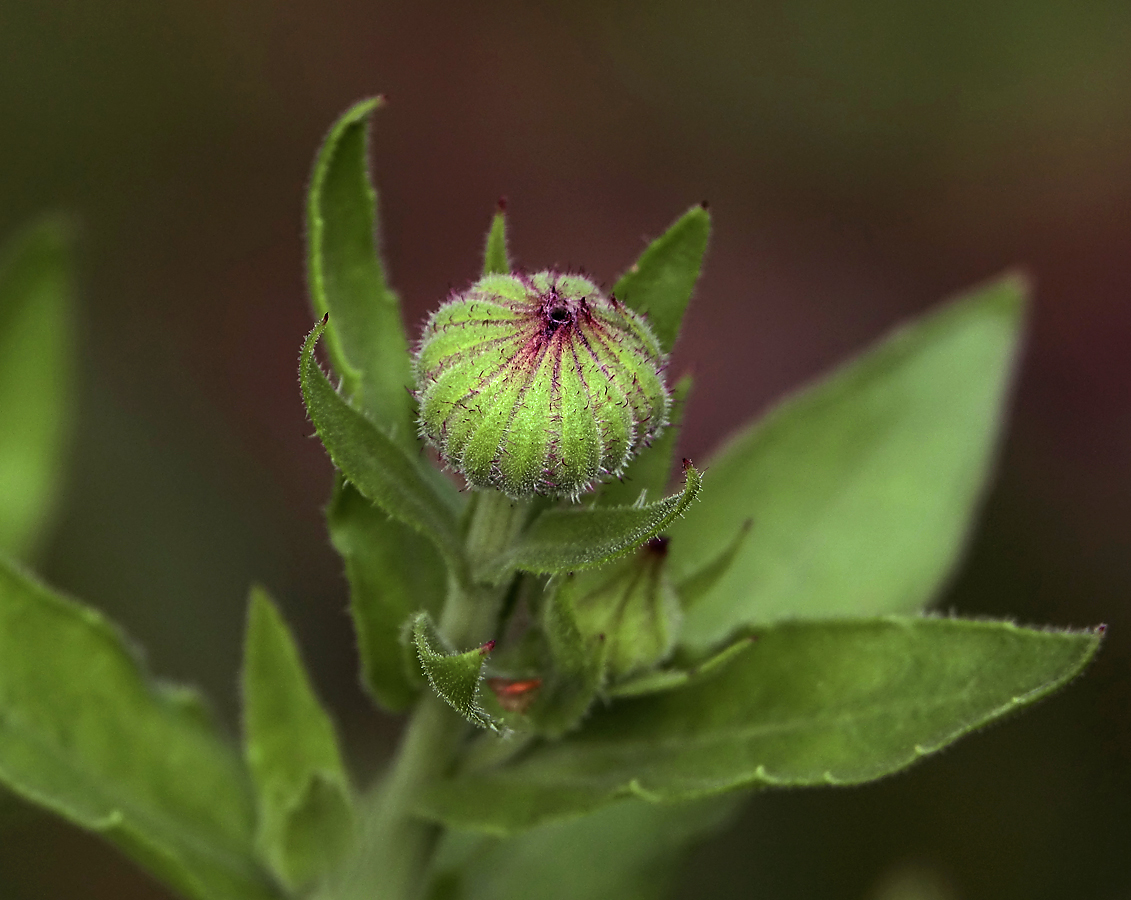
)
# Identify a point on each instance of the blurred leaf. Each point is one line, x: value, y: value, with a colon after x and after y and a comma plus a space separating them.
x: 496, y: 260
x: 812, y: 703
x: 571, y: 538
x: 861, y: 487
x: 628, y: 851
x: 85, y: 734
x: 36, y: 379
x: 682, y: 671
x: 660, y: 283
x: 651, y: 470
x: 454, y: 676
x: 306, y: 817
x: 392, y: 572
x: 377, y: 467
x: 365, y: 337
x: 699, y: 584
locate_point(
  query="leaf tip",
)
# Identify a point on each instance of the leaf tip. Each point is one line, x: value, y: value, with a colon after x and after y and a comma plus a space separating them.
x: 501, y: 206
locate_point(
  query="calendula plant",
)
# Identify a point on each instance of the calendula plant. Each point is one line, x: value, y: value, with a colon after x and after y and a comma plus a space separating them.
x: 595, y: 672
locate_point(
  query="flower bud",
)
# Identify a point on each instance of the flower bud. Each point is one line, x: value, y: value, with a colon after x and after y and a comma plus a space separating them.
x: 539, y: 384
x: 637, y: 610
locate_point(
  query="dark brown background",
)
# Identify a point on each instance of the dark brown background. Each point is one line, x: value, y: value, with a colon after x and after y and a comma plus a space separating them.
x: 861, y: 160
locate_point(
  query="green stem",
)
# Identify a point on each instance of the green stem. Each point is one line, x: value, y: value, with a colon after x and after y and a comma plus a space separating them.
x: 396, y: 846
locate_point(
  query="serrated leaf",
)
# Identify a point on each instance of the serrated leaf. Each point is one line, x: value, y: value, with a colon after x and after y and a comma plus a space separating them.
x: 454, y: 676
x: 36, y: 379
x: 629, y: 851
x: 392, y: 573
x: 861, y: 487
x: 649, y: 474
x: 306, y: 817
x: 812, y: 703
x: 661, y: 282
x: 496, y: 260
x: 85, y: 734
x: 573, y: 538
x: 366, y: 337
x: 376, y: 466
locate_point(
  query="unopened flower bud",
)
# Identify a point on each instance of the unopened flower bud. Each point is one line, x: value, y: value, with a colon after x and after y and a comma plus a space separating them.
x: 539, y: 384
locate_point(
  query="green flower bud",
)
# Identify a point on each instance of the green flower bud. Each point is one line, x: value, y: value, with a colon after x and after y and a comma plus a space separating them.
x: 636, y: 609
x: 539, y: 384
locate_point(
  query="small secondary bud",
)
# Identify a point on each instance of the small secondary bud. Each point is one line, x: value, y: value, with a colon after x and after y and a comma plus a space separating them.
x: 539, y: 384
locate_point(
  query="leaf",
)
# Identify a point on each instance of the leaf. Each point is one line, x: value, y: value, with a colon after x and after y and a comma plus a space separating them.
x: 496, y: 260
x: 85, y: 734
x: 36, y: 379
x: 306, y: 817
x: 454, y: 676
x: 577, y: 666
x: 699, y: 584
x: 651, y: 471
x: 861, y: 487
x: 568, y: 539
x: 377, y: 467
x: 811, y: 703
x: 660, y: 283
x: 366, y: 337
x: 392, y: 573
x: 629, y: 850
x: 682, y: 671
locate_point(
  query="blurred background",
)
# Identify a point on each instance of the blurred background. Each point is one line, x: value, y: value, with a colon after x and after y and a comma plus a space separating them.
x: 862, y: 161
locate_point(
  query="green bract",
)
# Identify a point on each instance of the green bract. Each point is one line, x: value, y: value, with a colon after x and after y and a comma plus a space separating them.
x: 539, y: 384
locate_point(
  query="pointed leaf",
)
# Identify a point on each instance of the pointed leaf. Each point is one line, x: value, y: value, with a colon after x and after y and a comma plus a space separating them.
x: 366, y: 337
x: 84, y: 733
x: 306, y: 817
x: 682, y: 671
x: 496, y: 260
x: 36, y: 379
x: 650, y: 473
x: 811, y: 703
x: 629, y: 851
x: 454, y: 676
x: 376, y: 466
x: 661, y: 282
x: 573, y: 538
x: 699, y: 584
x: 863, y: 486
x: 392, y: 573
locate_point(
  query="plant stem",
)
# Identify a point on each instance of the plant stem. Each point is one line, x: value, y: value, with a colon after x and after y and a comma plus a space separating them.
x: 396, y: 846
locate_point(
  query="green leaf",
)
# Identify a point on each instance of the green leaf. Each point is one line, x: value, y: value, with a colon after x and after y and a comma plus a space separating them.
x: 376, y: 466
x: 85, y: 734
x: 577, y: 666
x: 454, y: 676
x: 811, y: 703
x: 496, y: 260
x: 660, y: 283
x: 630, y: 851
x: 36, y: 379
x: 699, y: 584
x: 366, y: 337
x: 649, y: 474
x: 862, y: 487
x: 306, y: 817
x: 573, y: 538
x: 392, y: 573
x: 682, y: 671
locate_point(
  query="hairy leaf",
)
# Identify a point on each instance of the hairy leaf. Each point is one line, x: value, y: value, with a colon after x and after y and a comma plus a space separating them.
x: 862, y: 487
x: 392, y: 573
x: 568, y: 539
x: 454, y: 676
x: 85, y: 734
x: 306, y: 817
x: 36, y: 379
x: 365, y: 337
x: 496, y: 260
x: 811, y: 703
x: 376, y: 466
x: 660, y: 283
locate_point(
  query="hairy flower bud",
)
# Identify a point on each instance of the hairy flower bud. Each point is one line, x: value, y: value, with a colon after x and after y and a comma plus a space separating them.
x: 539, y: 384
